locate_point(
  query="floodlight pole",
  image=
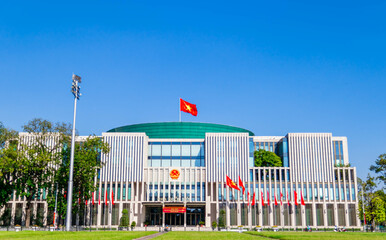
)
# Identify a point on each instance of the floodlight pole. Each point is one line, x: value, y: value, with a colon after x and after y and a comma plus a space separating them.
x: 75, y: 90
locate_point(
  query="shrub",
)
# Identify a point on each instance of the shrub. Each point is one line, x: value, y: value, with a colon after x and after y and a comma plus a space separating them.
x: 124, y: 222
x: 214, y: 224
x: 133, y: 224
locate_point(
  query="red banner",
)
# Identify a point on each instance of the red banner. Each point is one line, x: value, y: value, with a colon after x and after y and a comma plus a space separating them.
x: 174, y: 209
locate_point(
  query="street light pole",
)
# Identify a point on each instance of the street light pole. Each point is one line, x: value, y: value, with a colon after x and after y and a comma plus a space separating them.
x: 75, y: 90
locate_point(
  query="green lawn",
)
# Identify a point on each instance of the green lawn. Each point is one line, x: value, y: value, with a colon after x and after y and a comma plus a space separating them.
x: 42, y: 235
x: 320, y: 235
x: 101, y: 235
x: 206, y: 235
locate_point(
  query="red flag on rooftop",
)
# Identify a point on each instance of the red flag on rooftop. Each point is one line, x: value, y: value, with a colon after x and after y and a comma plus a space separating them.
x: 188, y: 107
x: 232, y: 184
x: 241, y: 185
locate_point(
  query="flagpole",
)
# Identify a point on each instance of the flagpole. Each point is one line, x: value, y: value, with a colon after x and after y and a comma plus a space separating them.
x: 179, y: 109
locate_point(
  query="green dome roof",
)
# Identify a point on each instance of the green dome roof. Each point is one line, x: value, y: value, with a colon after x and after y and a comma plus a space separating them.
x: 179, y: 129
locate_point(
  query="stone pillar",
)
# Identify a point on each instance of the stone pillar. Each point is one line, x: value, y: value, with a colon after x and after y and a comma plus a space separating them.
x: 238, y: 212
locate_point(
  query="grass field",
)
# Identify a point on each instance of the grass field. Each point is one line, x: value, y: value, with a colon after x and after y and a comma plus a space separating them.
x: 319, y: 235
x: 42, y: 235
x: 191, y: 235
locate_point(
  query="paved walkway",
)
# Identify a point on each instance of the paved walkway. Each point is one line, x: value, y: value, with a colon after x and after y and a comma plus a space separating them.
x: 150, y: 236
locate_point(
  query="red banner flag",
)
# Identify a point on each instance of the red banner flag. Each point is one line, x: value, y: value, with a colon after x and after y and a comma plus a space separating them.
x: 253, y: 199
x: 296, y: 197
x: 248, y: 198
x: 232, y: 184
x: 364, y: 217
x: 112, y: 197
x: 86, y: 202
x: 281, y: 202
x: 262, y: 198
x: 302, y: 200
x: 241, y: 185
x: 99, y: 199
x: 188, y: 107
x: 267, y: 197
x: 288, y: 199
x: 106, y: 198
x: 92, y: 198
x: 275, y: 200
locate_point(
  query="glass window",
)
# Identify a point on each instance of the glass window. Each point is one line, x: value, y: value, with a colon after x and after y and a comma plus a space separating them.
x: 156, y: 163
x: 185, y: 162
x: 196, y: 150
x: 196, y: 162
x: 202, y: 150
x: 185, y: 149
x: 176, y: 162
x: 176, y: 149
x: 156, y: 150
x: 166, y: 149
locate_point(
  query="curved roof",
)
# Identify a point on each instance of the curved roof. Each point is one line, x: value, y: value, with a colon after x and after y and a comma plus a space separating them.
x: 179, y: 129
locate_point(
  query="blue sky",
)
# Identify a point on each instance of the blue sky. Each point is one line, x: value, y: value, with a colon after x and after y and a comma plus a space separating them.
x: 272, y: 67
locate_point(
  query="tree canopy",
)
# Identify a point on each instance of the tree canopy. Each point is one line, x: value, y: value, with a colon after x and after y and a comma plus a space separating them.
x: 265, y: 158
x: 374, y: 202
x: 380, y: 168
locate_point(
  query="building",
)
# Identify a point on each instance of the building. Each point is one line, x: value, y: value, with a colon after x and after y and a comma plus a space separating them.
x: 174, y: 173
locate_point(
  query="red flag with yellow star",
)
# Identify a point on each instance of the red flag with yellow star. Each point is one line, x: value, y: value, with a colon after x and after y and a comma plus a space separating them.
x: 232, y: 184
x: 188, y: 107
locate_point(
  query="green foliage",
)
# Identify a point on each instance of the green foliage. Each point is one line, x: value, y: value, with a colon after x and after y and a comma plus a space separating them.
x: 221, y: 219
x: 86, y: 163
x: 201, y: 223
x: 8, y: 163
x: 38, y: 158
x: 124, y: 221
x: 133, y: 224
x: 265, y: 158
x: 214, y: 224
x: 374, y: 202
x: 380, y: 168
x: 342, y: 165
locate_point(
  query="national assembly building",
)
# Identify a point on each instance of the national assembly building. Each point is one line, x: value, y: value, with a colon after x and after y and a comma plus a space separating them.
x: 175, y: 174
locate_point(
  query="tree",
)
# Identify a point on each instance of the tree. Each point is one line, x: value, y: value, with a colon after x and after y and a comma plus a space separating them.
x: 86, y: 163
x: 124, y: 221
x: 8, y: 163
x: 374, y: 203
x: 221, y: 219
x: 265, y: 158
x: 40, y: 154
x: 380, y: 168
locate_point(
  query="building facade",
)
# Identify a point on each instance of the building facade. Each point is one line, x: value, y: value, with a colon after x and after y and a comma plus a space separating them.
x: 174, y: 173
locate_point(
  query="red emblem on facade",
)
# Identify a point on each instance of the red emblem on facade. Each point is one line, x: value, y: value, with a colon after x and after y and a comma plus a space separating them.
x: 174, y: 174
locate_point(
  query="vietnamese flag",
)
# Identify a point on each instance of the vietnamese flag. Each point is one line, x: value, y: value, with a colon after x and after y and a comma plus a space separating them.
x: 241, y: 185
x: 188, y: 107
x: 112, y: 197
x: 106, y: 198
x: 275, y: 200
x: 296, y: 197
x: 287, y: 199
x: 262, y: 198
x: 92, y: 198
x: 302, y: 200
x: 281, y: 195
x: 253, y: 199
x: 267, y: 197
x: 232, y: 184
x: 86, y: 202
